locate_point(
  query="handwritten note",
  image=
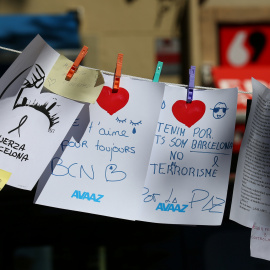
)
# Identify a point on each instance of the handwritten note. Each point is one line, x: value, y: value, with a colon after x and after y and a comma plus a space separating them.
x: 189, y: 167
x: 85, y: 85
x: 260, y: 241
x: 4, y: 177
x: 33, y: 123
x: 105, y: 171
x: 251, y: 195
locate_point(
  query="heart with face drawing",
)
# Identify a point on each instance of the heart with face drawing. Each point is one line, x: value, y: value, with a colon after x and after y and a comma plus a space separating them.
x: 112, y: 102
x: 188, y: 113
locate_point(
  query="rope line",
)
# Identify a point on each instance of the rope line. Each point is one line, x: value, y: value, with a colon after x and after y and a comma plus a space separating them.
x: 140, y: 78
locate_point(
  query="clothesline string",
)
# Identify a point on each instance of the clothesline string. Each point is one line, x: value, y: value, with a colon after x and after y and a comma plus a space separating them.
x: 11, y: 50
x: 140, y: 78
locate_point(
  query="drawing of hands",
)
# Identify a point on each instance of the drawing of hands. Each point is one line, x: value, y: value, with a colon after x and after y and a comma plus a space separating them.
x: 36, y: 78
x: 29, y: 97
x: 35, y: 81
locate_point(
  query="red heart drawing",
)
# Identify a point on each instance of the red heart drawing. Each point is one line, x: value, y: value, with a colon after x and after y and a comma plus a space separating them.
x: 188, y: 113
x: 112, y: 102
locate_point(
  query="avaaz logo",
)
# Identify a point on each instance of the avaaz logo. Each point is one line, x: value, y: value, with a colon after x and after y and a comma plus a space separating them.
x: 86, y: 195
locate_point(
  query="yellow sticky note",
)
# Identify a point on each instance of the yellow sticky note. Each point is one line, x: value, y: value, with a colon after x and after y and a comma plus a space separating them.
x: 4, y: 176
x: 85, y: 85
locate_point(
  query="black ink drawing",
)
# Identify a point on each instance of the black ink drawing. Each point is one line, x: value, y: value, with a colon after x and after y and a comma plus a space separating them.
x: 24, y: 118
x: 35, y: 81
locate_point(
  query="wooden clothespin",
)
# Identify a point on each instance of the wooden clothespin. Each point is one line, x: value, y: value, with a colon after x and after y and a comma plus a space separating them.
x: 117, y: 74
x: 76, y: 63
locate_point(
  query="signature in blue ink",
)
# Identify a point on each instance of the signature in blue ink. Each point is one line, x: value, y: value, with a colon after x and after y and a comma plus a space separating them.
x: 112, y: 175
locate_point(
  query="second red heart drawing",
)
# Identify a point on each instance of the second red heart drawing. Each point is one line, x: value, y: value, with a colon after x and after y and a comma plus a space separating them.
x: 188, y: 113
x: 112, y: 102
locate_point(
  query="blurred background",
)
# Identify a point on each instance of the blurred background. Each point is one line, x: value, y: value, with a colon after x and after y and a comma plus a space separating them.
x: 228, y: 41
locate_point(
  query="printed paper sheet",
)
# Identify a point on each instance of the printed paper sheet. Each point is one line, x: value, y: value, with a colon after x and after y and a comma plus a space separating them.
x: 189, y: 167
x: 104, y: 173
x: 251, y: 195
x: 33, y: 123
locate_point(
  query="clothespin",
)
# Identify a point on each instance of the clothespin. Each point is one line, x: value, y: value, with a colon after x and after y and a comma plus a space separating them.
x: 77, y: 62
x: 158, y: 71
x: 117, y: 74
x: 191, y: 84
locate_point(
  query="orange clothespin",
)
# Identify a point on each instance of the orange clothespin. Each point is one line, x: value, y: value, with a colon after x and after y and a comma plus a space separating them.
x: 117, y: 73
x: 77, y: 62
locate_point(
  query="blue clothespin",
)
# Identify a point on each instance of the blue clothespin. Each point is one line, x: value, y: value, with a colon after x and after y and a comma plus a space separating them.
x: 191, y: 84
x: 158, y: 71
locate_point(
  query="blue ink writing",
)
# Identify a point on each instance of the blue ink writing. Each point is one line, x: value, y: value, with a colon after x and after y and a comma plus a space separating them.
x: 219, y: 111
x: 66, y: 143
x: 160, y: 139
x: 205, y: 145
x: 215, y: 161
x: 211, y: 205
x: 178, y: 142
x: 135, y: 123
x: 121, y: 121
x: 121, y: 133
x: 61, y: 170
x: 201, y: 133
x: 168, y: 200
x: 163, y: 105
x: 115, y: 149
x: 90, y: 127
x: 178, y: 155
x: 149, y: 197
x: 201, y: 195
x: 170, y: 129
x: 174, y: 169
x: 112, y: 175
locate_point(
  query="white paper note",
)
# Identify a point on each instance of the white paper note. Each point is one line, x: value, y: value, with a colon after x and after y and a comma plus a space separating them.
x: 105, y: 173
x: 260, y: 241
x: 33, y: 123
x: 251, y: 195
x: 189, y: 168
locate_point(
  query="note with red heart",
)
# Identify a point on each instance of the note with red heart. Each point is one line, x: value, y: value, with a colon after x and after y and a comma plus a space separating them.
x: 113, y: 102
x: 188, y: 113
